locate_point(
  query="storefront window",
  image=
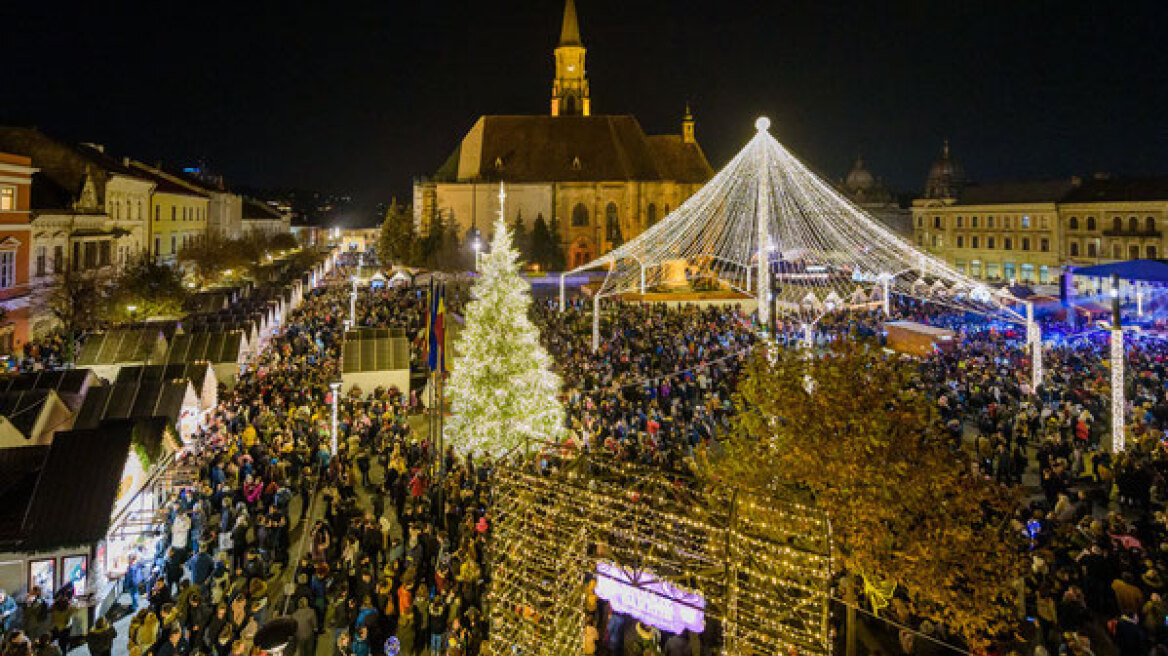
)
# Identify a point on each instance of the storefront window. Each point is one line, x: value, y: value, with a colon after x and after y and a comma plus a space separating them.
x: 43, y: 574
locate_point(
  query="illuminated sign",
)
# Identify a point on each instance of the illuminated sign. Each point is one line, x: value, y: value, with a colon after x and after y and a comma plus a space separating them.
x: 652, y: 601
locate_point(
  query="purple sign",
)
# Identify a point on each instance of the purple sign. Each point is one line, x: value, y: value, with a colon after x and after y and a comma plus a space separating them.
x: 652, y: 601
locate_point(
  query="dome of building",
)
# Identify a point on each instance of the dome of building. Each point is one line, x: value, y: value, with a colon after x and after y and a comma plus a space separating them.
x: 946, y: 177
x: 859, y: 178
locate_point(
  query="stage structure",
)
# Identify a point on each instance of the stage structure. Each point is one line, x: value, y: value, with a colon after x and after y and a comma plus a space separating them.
x: 670, y: 552
x: 769, y: 227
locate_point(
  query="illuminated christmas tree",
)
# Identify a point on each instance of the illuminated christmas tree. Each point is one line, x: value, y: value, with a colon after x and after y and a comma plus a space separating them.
x: 503, y: 391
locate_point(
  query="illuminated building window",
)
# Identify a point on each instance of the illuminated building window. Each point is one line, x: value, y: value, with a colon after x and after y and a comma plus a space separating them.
x: 1025, y: 221
x: 7, y: 197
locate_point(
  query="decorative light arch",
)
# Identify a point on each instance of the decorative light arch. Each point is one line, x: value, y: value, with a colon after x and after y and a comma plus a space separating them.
x: 767, y: 218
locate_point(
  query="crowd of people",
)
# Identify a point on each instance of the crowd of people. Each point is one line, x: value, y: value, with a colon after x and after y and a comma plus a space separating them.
x: 382, y: 548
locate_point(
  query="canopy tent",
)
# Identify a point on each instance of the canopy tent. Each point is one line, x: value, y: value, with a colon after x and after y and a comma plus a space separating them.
x: 766, y: 218
x: 1131, y: 270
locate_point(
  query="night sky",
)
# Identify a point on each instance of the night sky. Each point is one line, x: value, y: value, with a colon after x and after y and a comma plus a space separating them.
x: 360, y: 96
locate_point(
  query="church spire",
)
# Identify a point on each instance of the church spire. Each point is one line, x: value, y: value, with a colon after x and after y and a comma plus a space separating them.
x: 570, y: 96
x: 570, y: 32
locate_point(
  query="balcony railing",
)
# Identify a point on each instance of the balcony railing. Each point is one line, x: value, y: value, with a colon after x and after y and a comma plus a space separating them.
x: 1132, y: 233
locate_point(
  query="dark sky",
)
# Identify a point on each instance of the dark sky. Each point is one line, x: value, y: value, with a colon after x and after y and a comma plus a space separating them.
x: 360, y: 96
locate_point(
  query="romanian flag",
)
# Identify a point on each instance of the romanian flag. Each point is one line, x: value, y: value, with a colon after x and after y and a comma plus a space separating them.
x: 436, y: 327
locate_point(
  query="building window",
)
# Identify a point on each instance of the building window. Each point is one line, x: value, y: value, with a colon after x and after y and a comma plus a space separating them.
x: 989, y: 224
x: 1117, y: 224
x: 1091, y: 225
x: 1133, y: 224
x: 90, y: 255
x: 7, y: 269
x: 1027, y: 273
x: 1026, y: 224
x: 991, y: 270
x: 1150, y: 224
x: 579, y: 215
x: 973, y: 221
x: 975, y: 268
x: 937, y: 222
x: 920, y: 221
x: 1074, y: 249
x: 961, y: 266
x: 990, y: 242
x: 936, y: 241
x: 173, y: 244
x: 1151, y: 252
x: 1044, y: 274
x: 1116, y: 251
x: 1133, y: 252
x: 157, y: 212
x: 960, y: 221
x: 42, y: 260
x: 652, y: 213
x: 1006, y: 222
x: 7, y: 198
x: 1044, y: 245
x: 1092, y: 249
x: 1025, y: 243
x: 612, y: 229
x: 1074, y: 223
x: 960, y: 241
x: 157, y: 245
x: 1008, y: 271
x: 973, y: 242
x: 104, y: 254
x: 58, y: 259
x: 1007, y: 243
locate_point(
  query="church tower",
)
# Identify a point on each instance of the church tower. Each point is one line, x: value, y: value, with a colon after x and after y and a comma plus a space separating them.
x: 687, y: 127
x: 570, y: 95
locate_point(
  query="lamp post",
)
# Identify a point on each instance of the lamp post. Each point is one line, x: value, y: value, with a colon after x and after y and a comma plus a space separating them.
x: 1117, y: 373
x: 478, y: 247
x: 336, y: 387
x: 132, y: 310
x: 353, y: 304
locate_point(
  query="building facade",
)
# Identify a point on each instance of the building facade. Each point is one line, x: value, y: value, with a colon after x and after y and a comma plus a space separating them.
x: 260, y: 218
x: 595, y: 180
x: 179, y: 213
x: 15, y: 248
x: 1031, y: 231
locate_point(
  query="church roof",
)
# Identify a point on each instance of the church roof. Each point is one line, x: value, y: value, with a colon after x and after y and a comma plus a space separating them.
x: 680, y: 161
x: 571, y: 148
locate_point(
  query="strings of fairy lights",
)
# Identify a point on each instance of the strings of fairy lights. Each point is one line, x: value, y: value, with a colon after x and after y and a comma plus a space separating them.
x: 830, y: 254
x: 769, y: 594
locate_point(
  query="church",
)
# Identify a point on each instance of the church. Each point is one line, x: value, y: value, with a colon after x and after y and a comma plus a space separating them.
x: 597, y: 179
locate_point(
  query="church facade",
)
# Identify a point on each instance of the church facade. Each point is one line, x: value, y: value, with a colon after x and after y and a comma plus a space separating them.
x: 597, y: 180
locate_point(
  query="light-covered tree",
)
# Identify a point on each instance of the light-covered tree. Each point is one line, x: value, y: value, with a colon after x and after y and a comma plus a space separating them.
x: 503, y: 391
x: 905, y: 509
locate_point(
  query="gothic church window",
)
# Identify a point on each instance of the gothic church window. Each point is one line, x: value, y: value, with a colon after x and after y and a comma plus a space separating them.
x: 579, y: 215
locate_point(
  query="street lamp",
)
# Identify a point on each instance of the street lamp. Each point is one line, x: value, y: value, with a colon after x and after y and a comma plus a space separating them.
x: 131, y: 309
x: 478, y: 246
x: 336, y: 387
x: 353, y: 304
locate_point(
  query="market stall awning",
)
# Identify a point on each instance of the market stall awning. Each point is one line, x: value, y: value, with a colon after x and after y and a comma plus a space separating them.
x: 1138, y: 270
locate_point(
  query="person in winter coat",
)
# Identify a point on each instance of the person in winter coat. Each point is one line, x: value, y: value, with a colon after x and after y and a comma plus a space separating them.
x: 100, y: 639
x: 144, y: 630
x: 305, y: 627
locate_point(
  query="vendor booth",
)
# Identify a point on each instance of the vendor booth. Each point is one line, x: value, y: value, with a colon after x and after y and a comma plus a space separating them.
x: 375, y: 357
x: 61, y: 506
